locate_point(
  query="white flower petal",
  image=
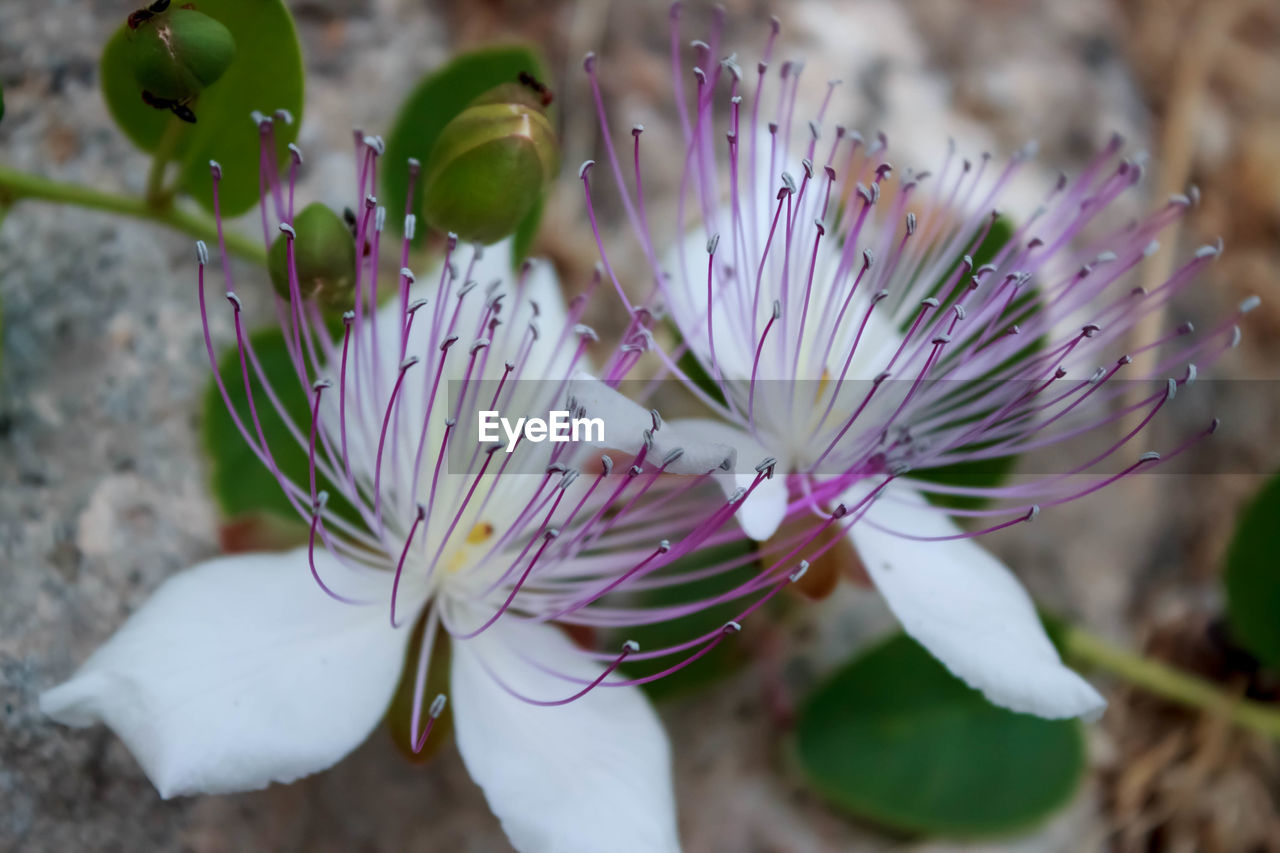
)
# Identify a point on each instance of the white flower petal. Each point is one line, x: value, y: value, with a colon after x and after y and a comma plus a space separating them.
x: 237, y: 673
x: 762, y: 511
x: 625, y: 423
x: 588, y: 776
x: 967, y: 609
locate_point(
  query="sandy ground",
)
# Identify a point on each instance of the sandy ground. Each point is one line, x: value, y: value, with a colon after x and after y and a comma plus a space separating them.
x: 102, y: 488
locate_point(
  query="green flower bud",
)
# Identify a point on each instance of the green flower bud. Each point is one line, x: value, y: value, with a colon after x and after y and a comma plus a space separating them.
x: 176, y: 53
x: 324, y: 255
x: 490, y: 164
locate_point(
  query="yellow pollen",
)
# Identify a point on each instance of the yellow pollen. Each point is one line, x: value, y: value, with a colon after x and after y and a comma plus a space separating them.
x: 477, y: 536
x: 822, y: 384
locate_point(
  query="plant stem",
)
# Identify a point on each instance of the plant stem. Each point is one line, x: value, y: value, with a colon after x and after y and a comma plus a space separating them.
x: 16, y: 186
x: 1168, y: 682
x: 157, y: 195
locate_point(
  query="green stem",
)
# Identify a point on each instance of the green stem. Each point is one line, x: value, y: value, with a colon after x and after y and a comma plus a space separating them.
x: 16, y: 186
x: 157, y: 195
x: 1168, y: 683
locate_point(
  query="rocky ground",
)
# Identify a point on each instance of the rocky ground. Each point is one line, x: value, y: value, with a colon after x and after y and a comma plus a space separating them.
x: 102, y: 488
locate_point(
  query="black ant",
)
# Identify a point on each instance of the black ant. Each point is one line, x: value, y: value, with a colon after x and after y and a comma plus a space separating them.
x: 349, y: 217
x: 141, y: 16
x: 530, y: 82
x: 178, y: 108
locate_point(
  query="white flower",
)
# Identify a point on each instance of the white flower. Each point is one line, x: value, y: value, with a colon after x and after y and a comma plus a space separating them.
x: 248, y: 670
x: 853, y: 344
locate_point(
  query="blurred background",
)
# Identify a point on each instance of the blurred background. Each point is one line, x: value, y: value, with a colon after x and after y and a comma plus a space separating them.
x: 103, y: 491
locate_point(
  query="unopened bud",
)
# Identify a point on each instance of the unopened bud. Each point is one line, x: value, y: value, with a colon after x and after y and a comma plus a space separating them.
x: 175, y: 53
x: 491, y: 163
x: 324, y: 254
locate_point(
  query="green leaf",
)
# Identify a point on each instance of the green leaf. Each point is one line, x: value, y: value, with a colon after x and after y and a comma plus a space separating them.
x: 982, y: 473
x: 1253, y: 577
x: 242, y: 485
x: 438, y: 98
x: 896, y: 739
x: 692, y: 367
x: 720, y: 661
x: 265, y: 75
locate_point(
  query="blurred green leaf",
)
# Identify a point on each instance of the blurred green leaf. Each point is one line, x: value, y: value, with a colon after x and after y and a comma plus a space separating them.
x: 983, y: 473
x: 1000, y: 233
x: 896, y: 739
x: 242, y: 485
x: 1253, y: 577
x: 698, y: 375
x: 720, y: 661
x: 439, y: 97
x: 265, y: 75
